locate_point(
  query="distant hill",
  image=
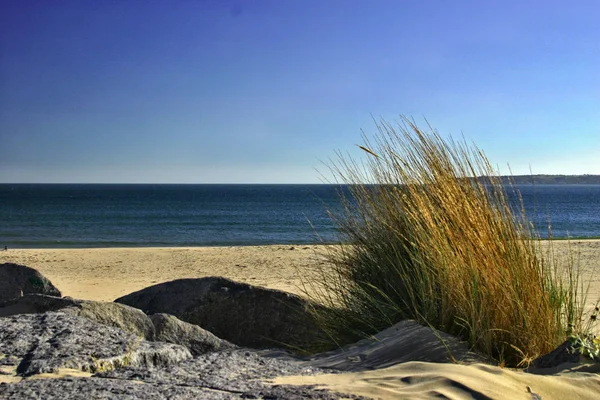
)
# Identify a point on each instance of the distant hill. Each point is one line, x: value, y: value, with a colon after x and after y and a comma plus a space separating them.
x: 554, y: 179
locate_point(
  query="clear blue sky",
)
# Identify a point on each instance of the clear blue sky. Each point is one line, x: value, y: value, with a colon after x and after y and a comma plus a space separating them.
x: 264, y: 91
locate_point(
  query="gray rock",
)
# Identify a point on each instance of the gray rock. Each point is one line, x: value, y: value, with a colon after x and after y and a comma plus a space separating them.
x: 158, y: 327
x: 243, y: 314
x: 239, y: 370
x: 115, y: 389
x: 40, y: 343
x: 117, y: 315
x: 17, y: 280
x: 170, y: 329
x: 97, y: 388
x: 127, y: 367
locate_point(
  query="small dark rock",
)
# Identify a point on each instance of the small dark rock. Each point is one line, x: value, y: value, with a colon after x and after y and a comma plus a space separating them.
x: 567, y: 352
x: 17, y: 280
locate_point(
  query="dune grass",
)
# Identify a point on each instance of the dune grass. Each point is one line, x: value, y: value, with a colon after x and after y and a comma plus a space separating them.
x: 423, y: 239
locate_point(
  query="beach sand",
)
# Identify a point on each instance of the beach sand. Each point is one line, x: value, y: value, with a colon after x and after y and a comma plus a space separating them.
x: 108, y: 273
x: 105, y: 274
x: 420, y: 380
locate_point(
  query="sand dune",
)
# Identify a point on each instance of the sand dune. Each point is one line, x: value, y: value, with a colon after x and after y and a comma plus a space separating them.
x: 420, y: 380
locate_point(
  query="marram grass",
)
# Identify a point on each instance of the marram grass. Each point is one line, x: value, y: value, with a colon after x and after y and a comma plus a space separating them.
x: 429, y: 234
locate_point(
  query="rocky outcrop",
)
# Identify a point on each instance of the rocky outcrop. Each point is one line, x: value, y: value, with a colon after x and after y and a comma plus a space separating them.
x: 125, y: 366
x: 158, y: 327
x: 44, y: 343
x: 117, y: 389
x: 243, y: 314
x: 17, y: 280
x: 116, y: 315
x: 170, y: 329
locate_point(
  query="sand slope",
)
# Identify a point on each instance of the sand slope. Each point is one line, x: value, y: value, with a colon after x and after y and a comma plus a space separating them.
x: 419, y: 380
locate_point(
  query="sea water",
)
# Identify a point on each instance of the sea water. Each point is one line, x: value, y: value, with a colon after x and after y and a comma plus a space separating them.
x: 92, y: 215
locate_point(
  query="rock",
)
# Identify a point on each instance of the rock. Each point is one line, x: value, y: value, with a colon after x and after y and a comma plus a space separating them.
x: 569, y: 356
x: 97, y: 388
x: 234, y: 370
x: 113, y: 314
x: 567, y: 352
x: 158, y: 327
x: 128, y: 367
x: 120, y: 316
x: 117, y: 389
x: 243, y: 314
x: 17, y: 280
x: 170, y: 329
x: 43, y: 343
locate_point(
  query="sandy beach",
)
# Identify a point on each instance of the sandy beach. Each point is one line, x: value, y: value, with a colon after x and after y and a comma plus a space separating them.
x: 105, y: 274
x: 108, y: 273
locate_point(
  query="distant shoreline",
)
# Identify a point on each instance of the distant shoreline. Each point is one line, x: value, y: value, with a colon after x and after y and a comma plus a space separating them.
x: 223, y: 246
x: 541, y: 179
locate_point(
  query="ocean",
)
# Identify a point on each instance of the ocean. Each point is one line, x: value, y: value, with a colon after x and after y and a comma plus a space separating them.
x: 93, y: 215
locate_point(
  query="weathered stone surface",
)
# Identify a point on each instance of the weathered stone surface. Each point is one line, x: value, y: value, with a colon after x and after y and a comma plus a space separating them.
x: 243, y: 314
x: 121, y: 316
x: 170, y: 329
x: 42, y: 343
x: 115, y: 389
x: 17, y: 280
x: 117, y: 315
x: 128, y: 367
x: 97, y: 388
x: 235, y: 370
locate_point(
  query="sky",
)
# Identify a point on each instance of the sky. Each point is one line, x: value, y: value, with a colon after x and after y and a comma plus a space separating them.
x: 267, y: 91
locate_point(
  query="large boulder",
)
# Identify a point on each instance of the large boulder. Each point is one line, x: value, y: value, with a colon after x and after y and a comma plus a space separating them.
x: 82, y: 359
x: 117, y: 315
x: 45, y: 343
x: 243, y: 314
x: 170, y: 329
x: 17, y: 280
x: 158, y: 327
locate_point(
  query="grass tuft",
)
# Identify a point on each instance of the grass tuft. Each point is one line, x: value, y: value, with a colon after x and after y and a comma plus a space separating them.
x: 429, y: 233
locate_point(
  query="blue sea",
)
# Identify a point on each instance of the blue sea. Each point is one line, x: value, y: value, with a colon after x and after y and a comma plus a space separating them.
x: 91, y: 215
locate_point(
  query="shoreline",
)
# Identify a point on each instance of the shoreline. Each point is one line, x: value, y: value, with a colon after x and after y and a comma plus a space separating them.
x: 200, y: 246
x: 178, y: 247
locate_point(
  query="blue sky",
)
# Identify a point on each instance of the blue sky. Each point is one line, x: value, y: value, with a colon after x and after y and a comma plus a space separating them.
x: 265, y: 91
